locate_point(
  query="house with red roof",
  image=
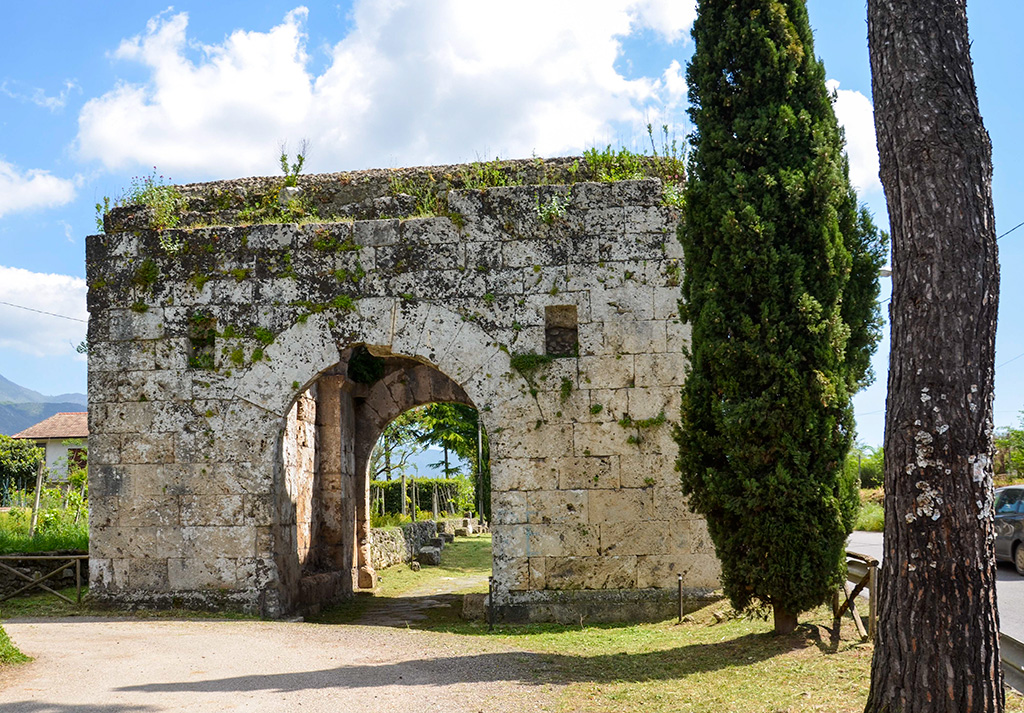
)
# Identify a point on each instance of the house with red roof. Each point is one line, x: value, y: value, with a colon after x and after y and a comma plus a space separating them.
x: 63, y: 436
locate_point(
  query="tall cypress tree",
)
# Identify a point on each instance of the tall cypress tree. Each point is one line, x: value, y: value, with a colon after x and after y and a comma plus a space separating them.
x: 780, y: 287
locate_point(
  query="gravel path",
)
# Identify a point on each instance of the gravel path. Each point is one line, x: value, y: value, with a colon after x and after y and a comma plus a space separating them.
x: 124, y: 666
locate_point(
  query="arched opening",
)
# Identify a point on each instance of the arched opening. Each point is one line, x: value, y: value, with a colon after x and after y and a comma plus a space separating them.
x: 431, y: 462
x: 327, y: 449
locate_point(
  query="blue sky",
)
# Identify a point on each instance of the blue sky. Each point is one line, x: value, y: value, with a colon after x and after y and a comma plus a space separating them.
x: 93, y: 94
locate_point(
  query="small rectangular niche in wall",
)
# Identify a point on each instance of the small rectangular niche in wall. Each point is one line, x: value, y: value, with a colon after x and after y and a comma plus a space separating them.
x: 561, y: 331
x: 202, y: 332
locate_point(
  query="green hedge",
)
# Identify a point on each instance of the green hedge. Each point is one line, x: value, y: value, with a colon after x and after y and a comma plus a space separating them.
x: 454, y: 495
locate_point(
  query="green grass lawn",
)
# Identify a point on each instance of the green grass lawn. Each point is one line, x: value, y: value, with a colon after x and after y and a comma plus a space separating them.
x: 467, y: 557
x: 715, y: 662
x: 55, y: 531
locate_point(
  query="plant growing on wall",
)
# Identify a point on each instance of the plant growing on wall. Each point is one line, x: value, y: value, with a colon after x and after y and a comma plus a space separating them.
x: 780, y: 287
x: 292, y: 171
x: 153, y: 191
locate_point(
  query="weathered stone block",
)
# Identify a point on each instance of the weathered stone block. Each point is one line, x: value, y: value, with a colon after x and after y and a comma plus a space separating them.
x: 662, y: 571
x: 229, y: 542
x: 659, y: 369
x: 429, y: 556
x: 644, y: 538
x: 211, y: 510
x: 599, y: 439
x: 646, y: 470
x: 591, y: 573
x: 147, y: 574
x: 608, y: 372
x: 621, y: 505
x: 201, y: 573
x: 147, y: 448
x: 557, y: 506
x: 586, y: 472
x: 149, y: 511
x: 508, y: 507
x: 640, y: 337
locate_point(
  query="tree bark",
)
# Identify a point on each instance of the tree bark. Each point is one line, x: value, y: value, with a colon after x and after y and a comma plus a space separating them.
x: 937, y: 647
x: 785, y: 621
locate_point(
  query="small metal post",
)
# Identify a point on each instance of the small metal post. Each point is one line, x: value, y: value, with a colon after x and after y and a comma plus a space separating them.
x: 490, y: 604
x: 680, y: 598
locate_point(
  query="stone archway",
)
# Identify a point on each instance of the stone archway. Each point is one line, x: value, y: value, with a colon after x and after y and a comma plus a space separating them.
x: 319, y: 545
x: 328, y: 437
x: 562, y: 330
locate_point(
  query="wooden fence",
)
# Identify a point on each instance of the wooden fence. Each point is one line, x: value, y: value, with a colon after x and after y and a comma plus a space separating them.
x: 64, y: 561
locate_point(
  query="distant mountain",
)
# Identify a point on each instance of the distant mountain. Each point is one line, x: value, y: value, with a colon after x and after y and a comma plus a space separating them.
x: 80, y: 399
x: 21, y: 407
x: 18, y: 417
x: 11, y: 393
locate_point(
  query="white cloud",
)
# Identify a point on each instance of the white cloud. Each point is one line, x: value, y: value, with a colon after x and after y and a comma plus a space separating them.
x: 38, y: 96
x: 41, y: 334
x: 30, y: 189
x: 412, y: 83
x: 857, y: 116
x: 670, y: 19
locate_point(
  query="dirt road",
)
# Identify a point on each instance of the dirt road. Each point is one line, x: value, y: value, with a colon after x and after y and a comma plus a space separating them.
x: 124, y: 666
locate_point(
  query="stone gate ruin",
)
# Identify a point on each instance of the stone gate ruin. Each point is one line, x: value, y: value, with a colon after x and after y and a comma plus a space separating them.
x: 230, y: 437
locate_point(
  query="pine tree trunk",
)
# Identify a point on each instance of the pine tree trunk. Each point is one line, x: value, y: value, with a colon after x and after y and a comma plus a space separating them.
x: 937, y: 646
x: 785, y: 621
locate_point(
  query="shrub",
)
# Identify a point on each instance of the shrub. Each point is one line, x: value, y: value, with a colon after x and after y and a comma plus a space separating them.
x: 871, y: 517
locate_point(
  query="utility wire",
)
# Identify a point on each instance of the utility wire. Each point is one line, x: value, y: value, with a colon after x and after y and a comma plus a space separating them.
x: 1018, y: 225
x: 39, y: 311
x: 1010, y: 231
x: 1009, y: 360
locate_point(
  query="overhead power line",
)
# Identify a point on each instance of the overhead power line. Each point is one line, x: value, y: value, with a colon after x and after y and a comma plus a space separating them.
x: 39, y: 311
x: 1018, y: 225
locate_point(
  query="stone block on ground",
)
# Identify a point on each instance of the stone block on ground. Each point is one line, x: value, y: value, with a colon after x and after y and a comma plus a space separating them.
x: 474, y: 607
x: 461, y: 532
x: 429, y: 556
x: 447, y: 537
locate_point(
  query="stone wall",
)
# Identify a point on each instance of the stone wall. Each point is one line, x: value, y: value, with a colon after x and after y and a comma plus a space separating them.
x: 395, y: 545
x: 299, y: 461
x: 37, y: 569
x: 204, y: 339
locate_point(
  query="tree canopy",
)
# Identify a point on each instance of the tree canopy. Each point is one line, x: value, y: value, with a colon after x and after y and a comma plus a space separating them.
x: 18, y: 462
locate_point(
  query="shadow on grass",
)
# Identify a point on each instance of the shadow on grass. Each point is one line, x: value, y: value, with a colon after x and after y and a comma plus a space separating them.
x: 522, y: 667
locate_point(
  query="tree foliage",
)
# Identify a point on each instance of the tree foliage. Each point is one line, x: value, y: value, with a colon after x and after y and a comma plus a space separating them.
x: 1010, y: 450
x: 869, y: 463
x: 399, y: 442
x: 780, y: 288
x: 18, y: 462
x: 449, y: 426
